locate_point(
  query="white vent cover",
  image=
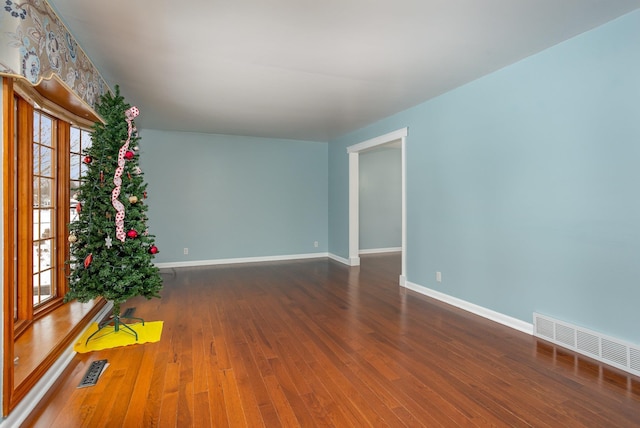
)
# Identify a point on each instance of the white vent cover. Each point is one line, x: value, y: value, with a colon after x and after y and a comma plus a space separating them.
x: 606, y: 349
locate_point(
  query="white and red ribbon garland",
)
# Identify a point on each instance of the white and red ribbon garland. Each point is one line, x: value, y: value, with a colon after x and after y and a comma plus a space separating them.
x: 130, y: 114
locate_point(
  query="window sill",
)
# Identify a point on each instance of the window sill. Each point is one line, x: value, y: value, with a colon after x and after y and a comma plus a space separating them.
x: 20, y: 326
x: 47, y: 337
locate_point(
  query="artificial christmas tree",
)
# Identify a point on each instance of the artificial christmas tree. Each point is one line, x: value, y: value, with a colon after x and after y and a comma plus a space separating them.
x: 111, y: 249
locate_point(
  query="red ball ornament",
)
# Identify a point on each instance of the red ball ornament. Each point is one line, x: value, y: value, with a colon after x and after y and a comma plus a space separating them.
x: 88, y: 159
x: 129, y: 154
x: 153, y: 249
x: 132, y: 234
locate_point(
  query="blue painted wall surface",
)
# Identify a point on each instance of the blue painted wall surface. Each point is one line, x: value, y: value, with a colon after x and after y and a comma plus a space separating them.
x: 522, y: 186
x: 234, y: 197
x: 380, y: 199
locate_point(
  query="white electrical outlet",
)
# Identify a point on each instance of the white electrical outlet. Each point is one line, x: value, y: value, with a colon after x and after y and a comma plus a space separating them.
x: 438, y: 276
x: 315, y: 244
x: 186, y: 251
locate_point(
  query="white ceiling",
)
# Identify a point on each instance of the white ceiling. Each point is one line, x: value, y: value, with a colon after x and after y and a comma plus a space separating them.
x: 309, y: 70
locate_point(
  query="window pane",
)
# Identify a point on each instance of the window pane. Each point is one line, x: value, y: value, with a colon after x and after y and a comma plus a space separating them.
x: 46, y: 261
x: 46, y: 158
x: 47, y: 189
x: 46, y: 287
x: 36, y: 126
x: 75, y: 166
x: 46, y: 130
x: 73, y: 189
x: 36, y: 222
x: 36, y: 158
x: 36, y: 288
x: 36, y: 192
x: 73, y: 213
x: 73, y: 202
x: 86, y: 139
x: 75, y: 140
x: 36, y: 257
x: 44, y: 195
x: 46, y: 225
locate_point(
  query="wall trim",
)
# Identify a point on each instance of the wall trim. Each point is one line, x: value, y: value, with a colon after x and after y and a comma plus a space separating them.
x: 24, y: 408
x: 353, y: 153
x: 339, y: 259
x: 194, y: 263
x: 498, y: 317
x: 381, y: 250
x: 376, y: 141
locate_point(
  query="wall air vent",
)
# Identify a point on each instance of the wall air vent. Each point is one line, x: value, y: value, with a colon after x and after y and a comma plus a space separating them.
x: 617, y: 353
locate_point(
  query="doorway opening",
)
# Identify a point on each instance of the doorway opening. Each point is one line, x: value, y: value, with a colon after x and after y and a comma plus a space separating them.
x: 354, y: 190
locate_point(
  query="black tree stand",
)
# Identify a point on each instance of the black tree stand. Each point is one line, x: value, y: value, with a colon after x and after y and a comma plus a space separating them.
x: 115, y: 320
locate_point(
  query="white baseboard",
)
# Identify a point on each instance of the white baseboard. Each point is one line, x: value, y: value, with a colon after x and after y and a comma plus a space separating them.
x: 31, y: 400
x: 498, y: 317
x: 339, y: 259
x: 381, y: 250
x: 195, y: 263
x: 353, y: 261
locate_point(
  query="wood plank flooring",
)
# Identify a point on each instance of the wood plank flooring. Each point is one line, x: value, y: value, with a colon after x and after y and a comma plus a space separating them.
x: 316, y: 343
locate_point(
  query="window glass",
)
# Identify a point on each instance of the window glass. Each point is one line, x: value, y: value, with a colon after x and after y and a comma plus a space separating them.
x: 44, y: 213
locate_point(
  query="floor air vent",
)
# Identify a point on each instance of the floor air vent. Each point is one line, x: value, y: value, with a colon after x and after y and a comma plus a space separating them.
x: 611, y: 351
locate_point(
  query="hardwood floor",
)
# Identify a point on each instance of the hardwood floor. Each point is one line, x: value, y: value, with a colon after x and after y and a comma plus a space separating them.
x: 316, y: 343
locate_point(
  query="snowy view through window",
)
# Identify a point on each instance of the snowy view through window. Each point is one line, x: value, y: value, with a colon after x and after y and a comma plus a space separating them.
x: 44, y: 197
x: 45, y: 183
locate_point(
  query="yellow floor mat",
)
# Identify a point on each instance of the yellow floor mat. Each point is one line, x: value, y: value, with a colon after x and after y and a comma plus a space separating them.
x: 108, y: 338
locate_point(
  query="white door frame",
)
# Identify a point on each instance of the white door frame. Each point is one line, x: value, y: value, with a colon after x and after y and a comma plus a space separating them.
x: 354, y: 192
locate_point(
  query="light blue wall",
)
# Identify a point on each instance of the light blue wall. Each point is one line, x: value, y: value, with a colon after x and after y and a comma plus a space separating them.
x: 234, y: 197
x: 522, y: 186
x: 380, y: 199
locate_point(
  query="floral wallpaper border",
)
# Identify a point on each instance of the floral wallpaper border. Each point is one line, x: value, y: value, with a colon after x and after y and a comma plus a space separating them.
x: 38, y: 46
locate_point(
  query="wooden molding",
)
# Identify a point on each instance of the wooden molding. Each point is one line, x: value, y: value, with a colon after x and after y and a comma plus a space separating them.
x: 9, y: 237
x: 53, y: 96
x: 18, y: 194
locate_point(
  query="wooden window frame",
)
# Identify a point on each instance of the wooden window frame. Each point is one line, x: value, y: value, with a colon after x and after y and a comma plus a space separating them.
x: 19, y: 194
x: 26, y: 312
